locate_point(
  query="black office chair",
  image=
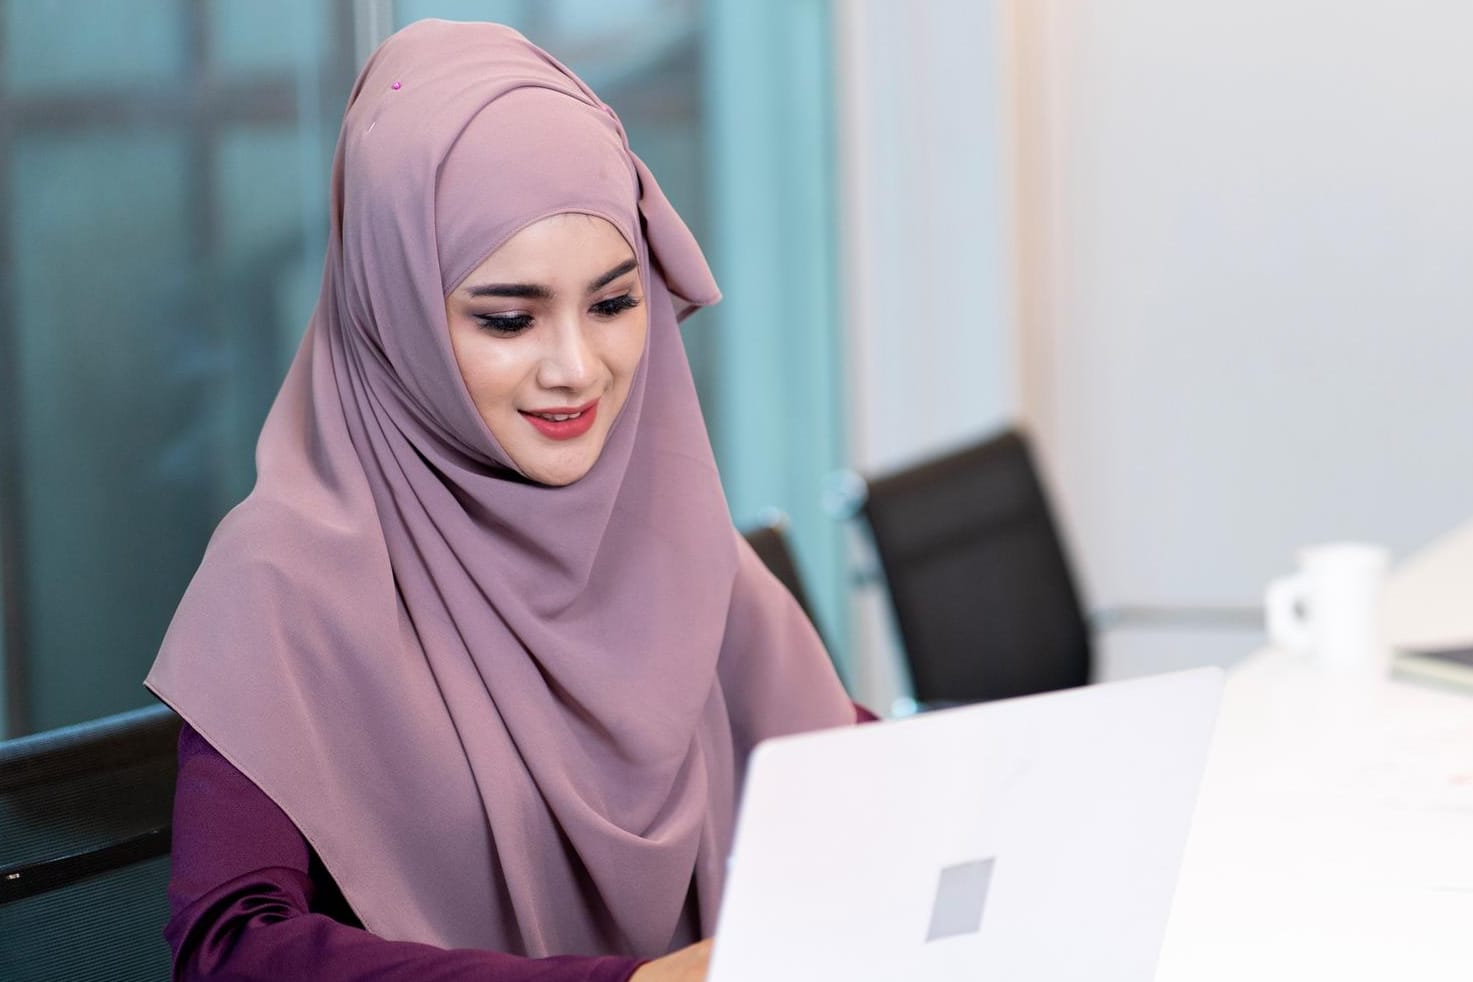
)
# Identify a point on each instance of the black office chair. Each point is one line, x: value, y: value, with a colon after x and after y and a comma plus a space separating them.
x: 983, y: 596
x: 85, y: 817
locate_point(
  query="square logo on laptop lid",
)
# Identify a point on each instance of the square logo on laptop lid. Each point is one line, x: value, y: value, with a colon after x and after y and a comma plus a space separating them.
x: 961, y: 896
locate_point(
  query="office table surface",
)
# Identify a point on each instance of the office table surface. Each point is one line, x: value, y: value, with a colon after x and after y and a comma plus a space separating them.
x: 1334, y: 833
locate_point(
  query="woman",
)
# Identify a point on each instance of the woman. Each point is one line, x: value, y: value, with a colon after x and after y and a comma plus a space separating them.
x: 478, y: 663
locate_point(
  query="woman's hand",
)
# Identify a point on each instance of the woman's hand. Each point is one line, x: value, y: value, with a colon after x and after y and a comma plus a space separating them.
x: 685, y: 965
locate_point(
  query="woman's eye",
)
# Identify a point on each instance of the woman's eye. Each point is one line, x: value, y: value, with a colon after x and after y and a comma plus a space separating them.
x: 506, y: 324
x: 615, y: 306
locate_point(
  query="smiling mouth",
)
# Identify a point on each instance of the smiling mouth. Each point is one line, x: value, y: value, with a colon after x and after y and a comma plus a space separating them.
x: 563, y: 422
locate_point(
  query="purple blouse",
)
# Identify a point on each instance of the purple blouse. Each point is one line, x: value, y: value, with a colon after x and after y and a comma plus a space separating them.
x: 249, y: 899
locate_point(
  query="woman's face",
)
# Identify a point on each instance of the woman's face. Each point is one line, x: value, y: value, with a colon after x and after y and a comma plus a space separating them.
x: 547, y: 333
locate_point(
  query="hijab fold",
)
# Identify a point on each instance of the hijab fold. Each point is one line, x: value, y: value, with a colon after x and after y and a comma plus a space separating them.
x: 505, y: 715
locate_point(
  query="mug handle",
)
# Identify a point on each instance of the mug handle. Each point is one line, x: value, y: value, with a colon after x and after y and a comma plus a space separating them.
x: 1285, y: 605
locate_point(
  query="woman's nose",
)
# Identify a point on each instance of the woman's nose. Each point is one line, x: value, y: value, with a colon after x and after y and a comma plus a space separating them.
x: 568, y: 363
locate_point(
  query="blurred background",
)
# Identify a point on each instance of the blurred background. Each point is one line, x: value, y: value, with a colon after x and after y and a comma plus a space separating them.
x: 1216, y: 258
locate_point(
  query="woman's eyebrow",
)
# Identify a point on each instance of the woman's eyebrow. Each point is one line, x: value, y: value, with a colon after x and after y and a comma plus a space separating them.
x: 536, y: 291
x: 613, y: 274
x: 529, y: 291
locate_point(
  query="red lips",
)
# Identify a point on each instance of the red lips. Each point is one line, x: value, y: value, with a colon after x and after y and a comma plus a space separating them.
x: 580, y: 420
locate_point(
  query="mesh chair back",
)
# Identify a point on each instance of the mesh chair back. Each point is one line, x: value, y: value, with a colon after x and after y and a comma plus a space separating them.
x: 84, y: 849
x: 982, y: 593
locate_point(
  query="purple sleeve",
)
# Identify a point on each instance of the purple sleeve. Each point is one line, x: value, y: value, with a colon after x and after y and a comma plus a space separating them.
x: 250, y: 900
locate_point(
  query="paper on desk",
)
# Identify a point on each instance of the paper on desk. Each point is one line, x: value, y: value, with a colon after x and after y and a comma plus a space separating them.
x: 1429, y: 597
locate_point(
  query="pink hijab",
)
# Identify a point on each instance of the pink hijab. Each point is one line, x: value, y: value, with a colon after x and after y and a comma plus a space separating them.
x: 505, y: 715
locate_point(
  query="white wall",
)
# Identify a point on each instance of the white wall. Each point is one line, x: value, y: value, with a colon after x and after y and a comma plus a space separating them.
x: 1219, y: 255
x: 1246, y: 279
x: 927, y: 301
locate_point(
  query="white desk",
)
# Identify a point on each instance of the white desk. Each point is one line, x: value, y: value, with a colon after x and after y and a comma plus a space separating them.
x: 1334, y: 833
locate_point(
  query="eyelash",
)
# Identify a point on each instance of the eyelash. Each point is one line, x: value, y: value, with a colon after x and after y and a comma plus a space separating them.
x: 513, y: 324
x: 614, y: 306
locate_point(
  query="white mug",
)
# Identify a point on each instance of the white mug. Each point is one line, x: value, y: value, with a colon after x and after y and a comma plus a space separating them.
x: 1331, y: 609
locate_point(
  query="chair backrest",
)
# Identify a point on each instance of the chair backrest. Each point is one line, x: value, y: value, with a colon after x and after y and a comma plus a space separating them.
x: 85, y: 817
x: 770, y: 542
x: 982, y: 592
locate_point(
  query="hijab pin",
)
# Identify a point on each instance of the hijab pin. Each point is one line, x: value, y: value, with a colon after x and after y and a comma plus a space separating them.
x: 396, y: 86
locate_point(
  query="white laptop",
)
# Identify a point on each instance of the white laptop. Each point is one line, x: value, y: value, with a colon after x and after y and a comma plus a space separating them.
x: 1033, y: 838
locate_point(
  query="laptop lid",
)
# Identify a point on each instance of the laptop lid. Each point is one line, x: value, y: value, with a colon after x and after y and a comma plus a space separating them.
x: 1031, y: 838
